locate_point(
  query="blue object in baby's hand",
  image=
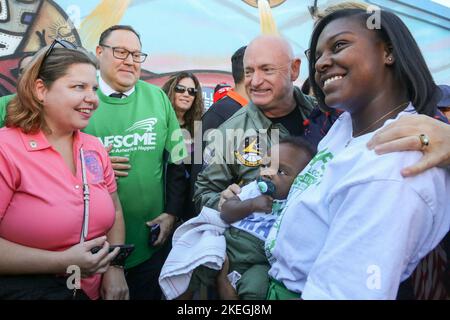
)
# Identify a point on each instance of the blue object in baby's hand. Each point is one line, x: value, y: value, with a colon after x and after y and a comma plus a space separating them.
x: 265, y: 186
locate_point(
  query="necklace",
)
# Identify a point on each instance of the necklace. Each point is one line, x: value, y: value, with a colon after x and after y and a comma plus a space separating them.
x: 364, y: 131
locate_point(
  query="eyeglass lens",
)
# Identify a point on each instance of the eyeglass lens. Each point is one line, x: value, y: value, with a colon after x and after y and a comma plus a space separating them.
x: 181, y: 89
x: 308, y: 53
x: 61, y: 42
x: 122, y: 53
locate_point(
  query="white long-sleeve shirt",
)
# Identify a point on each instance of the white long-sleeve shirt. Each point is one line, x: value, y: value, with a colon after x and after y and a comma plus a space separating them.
x: 353, y: 227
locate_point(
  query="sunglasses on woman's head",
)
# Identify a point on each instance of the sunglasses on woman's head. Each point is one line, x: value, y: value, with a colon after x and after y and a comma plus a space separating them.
x: 179, y: 88
x: 60, y: 43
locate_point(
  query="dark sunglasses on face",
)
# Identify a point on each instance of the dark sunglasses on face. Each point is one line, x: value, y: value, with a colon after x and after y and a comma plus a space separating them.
x: 179, y: 88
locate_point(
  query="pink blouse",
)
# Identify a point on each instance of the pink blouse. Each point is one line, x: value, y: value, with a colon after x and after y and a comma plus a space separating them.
x: 41, y: 201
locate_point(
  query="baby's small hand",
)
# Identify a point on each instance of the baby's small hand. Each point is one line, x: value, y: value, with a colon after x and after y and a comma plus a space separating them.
x: 262, y: 203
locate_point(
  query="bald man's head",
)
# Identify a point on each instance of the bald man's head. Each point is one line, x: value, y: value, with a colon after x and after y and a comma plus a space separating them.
x: 270, y: 70
x: 277, y: 44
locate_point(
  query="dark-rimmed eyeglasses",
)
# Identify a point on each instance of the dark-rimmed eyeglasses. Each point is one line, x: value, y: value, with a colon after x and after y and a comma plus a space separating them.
x: 58, y: 43
x: 61, y: 42
x: 179, y: 88
x: 16, y: 72
x: 122, y: 54
x: 308, y: 54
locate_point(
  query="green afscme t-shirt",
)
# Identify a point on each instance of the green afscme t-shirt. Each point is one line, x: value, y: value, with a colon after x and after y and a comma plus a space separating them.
x: 3, y: 103
x: 139, y: 127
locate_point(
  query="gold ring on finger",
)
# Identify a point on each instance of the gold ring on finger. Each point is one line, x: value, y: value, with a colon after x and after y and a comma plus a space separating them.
x: 424, y: 140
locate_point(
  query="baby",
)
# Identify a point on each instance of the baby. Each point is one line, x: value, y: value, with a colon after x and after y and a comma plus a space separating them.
x: 251, y: 214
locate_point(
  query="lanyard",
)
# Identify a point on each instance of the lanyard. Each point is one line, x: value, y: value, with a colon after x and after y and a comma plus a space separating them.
x: 84, y: 227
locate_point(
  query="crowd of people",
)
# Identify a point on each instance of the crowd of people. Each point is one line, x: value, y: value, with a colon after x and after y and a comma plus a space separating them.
x: 336, y: 192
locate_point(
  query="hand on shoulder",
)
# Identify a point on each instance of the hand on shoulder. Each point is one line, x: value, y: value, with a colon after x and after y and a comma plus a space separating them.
x: 404, y: 134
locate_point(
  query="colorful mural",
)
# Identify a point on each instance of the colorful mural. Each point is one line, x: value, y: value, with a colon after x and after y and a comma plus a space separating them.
x: 196, y: 35
x: 26, y: 26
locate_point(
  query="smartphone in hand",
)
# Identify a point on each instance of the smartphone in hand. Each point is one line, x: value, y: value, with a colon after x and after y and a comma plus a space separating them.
x: 124, y: 252
x: 154, y: 234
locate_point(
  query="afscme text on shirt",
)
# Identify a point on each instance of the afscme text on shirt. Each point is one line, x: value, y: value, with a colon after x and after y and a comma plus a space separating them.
x: 230, y: 146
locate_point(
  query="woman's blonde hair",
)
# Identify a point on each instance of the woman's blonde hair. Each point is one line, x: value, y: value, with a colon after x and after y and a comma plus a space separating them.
x: 25, y: 111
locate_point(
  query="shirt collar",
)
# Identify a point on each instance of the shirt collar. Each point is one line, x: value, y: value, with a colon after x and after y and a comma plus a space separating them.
x: 38, y: 141
x: 107, y: 90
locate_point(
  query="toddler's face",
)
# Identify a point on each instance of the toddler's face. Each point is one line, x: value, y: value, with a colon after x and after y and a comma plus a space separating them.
x: 282, y: 165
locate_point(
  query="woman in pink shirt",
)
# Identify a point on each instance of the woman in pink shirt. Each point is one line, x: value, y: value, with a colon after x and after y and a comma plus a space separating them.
x: 42, y: 156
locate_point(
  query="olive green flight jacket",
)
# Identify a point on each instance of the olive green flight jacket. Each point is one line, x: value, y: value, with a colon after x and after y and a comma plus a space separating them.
x: 239, y: 161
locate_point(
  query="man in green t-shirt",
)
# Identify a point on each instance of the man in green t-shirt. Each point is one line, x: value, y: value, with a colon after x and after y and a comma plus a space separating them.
x: 136, y: 121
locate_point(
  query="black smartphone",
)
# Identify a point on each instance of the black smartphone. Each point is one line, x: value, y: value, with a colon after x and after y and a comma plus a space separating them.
x: 124, y: 252
x: 154, y: 233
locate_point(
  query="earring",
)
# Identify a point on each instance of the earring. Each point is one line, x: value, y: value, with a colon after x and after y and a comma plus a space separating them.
x: 390, y: 59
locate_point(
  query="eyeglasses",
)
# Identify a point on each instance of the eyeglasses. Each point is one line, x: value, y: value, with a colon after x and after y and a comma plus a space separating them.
x: 61, y: 43
x: 308, y: 54
x: 16, y: 72
x: 179, y: 88
x: 122, y: 54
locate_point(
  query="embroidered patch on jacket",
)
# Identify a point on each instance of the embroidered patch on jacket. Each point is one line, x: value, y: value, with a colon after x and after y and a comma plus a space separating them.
x: 250, y: 152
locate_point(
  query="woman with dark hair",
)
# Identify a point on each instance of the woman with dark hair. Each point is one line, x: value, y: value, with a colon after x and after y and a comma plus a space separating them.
x: 406, y: 63
x: 185, y: 94
x: 354, y: 227
x: 58, y: 198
